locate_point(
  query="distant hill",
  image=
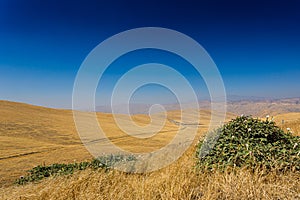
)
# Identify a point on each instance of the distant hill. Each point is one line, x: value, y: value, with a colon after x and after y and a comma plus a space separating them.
x: 254, y: 106
x: 262, y: 108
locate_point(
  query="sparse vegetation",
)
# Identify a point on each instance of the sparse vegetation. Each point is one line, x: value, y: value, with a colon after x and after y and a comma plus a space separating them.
x: 177, y: 181
x: 251, y: 143
x: 103, y: 162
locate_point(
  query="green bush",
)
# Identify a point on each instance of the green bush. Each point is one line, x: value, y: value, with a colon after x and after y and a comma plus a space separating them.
x: 251, y: 143
x: 103, y: 162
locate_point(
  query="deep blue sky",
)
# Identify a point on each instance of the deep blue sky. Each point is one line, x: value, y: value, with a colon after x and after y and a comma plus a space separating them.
x: 255, y: 44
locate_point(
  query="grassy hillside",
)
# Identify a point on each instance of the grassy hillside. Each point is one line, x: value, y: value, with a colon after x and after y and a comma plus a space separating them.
x: 31, y: 135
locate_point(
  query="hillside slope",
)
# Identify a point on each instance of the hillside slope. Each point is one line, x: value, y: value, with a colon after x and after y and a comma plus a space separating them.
x: 32, y: 135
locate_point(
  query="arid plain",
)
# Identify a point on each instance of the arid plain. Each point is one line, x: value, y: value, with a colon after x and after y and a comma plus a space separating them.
x: 32, y: 135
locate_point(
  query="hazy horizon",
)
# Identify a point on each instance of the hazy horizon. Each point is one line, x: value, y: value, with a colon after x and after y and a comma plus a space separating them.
x: 234, y: 99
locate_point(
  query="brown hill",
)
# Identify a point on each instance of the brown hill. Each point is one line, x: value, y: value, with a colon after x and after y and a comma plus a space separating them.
x: 32, y: 135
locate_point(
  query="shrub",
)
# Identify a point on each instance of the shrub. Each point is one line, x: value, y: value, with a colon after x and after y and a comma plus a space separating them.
x: 103, y: 162
x: 251, y: 143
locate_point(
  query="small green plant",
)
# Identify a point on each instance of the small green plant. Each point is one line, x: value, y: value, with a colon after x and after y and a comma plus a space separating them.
x: 251, y: 143
x: 111, y: 160
x: 103, y: 162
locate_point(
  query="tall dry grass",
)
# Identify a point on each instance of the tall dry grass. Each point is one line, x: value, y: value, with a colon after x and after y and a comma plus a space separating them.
x: 177, y: 181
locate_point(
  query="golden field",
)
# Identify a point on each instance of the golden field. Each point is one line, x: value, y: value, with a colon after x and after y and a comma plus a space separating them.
x: 31, y: 135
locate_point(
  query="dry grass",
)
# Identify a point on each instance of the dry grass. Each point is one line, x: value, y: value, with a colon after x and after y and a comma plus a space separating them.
x: 51, y: 134
x: 32, y: 135
x: 291, y: 120
x: 178, y: 181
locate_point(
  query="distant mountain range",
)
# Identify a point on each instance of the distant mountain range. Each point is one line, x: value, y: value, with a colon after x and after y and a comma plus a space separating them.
x: 264, y: 107
x: 255, y: 106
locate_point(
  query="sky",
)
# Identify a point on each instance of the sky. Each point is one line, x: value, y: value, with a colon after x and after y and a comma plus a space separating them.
x: 255, y: 45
